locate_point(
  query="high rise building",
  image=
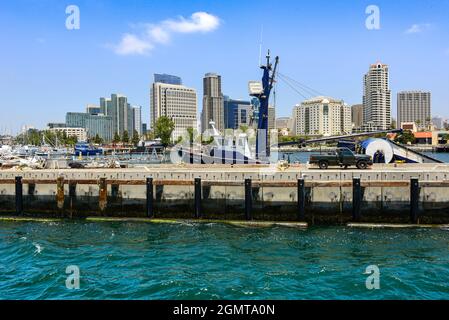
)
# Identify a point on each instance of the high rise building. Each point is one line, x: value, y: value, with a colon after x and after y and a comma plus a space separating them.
x: 284, y: 123
x: 271, y: 117
x: 105, y: 105
x: 137, y: 119
x: 438, y: 122
x: 167, y: 79
x: 93, y: 124
x: 357, y: 116
x: 236, y: 113
x: 118, y: 108
x: 322, y: 116
x: 377, y: 97
x: 144, y: 128
x: 176, y: 102
x: 93, y: 109
x: 212, y: 102
x: 414, y: 106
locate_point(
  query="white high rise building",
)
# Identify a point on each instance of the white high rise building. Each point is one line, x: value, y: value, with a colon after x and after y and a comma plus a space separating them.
x: 322, y: 116
x: 377, y: 98
x: 176, y: 102
x: 137, y: 119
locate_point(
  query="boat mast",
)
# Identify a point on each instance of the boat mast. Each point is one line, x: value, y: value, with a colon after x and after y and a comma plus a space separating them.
x: 264, y: 97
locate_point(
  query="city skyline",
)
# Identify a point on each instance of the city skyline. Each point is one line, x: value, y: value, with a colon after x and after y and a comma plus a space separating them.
x: 63, y: 70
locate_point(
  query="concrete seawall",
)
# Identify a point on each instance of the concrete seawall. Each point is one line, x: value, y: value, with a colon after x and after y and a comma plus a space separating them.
x: 385, y: 194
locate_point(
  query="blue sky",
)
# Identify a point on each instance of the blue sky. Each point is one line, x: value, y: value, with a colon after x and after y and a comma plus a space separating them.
x: 48, y: 70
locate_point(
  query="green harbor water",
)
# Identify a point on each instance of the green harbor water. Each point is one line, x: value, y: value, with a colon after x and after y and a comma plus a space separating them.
x: 215, y: 261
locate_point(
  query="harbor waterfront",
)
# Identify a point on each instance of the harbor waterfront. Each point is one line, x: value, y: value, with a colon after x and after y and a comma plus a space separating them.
x: 393, y: 193
x: 216, y: 261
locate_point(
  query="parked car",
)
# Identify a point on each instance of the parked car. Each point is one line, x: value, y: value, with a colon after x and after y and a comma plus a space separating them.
x: 342, y: 157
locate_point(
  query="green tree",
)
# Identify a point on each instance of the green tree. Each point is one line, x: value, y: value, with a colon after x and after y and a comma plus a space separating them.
x: 71, y: 141
x: 208, y: 141
x: 31, y: 137
x: 178, y: 140
x: 149, y: 135
x: 34, y: 137
x: 116, y: 138
x: 163, y: 129
x: 62, y: 138
x: 136, y: 138
x: 406, y: 137
x: 445, y: 138
x: 125, y: 137
x: 191, y: 134
x: 49, y: 138
x: 98, y: 139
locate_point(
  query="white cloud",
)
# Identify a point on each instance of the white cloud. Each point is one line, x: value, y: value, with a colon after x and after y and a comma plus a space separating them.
x: 161, y: 33
x: 158, y: 34
x: 199, y: 22
x: 418, y: 28
x: 131, y: 44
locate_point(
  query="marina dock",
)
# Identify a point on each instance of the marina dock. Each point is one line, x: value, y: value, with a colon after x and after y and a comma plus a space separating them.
x: 401, y: 193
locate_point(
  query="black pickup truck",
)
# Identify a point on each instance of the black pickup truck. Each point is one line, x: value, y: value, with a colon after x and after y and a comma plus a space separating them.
x: 342, y: 157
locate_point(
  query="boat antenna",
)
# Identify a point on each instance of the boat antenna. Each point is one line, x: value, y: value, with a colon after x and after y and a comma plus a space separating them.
x: 260, y: 45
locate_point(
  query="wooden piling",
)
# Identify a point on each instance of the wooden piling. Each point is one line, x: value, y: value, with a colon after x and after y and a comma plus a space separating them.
x: 103, y: 194
x: 19, y: 195
x: 356, y: 199
x: 414, y: 200
x: 72, y: 196
x: 198, y: 198
x: 248, y: 199
x: 150, y: 197
x: 301, y: 199
x: 60, y: 192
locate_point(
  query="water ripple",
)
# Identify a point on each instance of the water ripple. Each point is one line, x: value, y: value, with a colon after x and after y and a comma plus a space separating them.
x: 214, y: 261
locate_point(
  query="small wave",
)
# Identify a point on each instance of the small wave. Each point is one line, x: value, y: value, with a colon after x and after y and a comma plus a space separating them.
x: 38, y: 247
x: 53, y: 223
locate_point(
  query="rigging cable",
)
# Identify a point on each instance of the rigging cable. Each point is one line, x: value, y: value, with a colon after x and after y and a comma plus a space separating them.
x: 304, y: 87
x: 292, y: 87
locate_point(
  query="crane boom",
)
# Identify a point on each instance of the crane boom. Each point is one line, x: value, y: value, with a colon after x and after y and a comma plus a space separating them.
x: 262, y: 147
x: 302, y: 142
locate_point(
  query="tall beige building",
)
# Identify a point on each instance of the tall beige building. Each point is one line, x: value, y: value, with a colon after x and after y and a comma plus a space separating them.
x: 322, y: 116
x: 414, y: 106
x: 357, y: 115
x: 284, y: 123
x: 213, y: 105
x: 377, y: 97
x: 176, y: 102
x: 271, y: 117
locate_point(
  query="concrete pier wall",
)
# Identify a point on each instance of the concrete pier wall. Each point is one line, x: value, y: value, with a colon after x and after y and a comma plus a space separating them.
x: 385, y: 193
